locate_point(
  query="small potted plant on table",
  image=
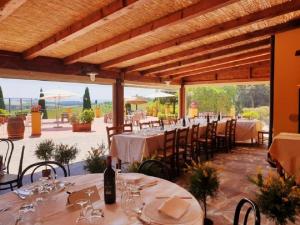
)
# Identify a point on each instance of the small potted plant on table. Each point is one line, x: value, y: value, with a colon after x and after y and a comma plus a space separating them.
x: 204, y: 182
x: 64, y: 154
x: 44, y: 151
x: 278, y: 198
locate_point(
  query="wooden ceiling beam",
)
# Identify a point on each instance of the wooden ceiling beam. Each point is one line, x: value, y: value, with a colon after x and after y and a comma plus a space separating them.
x: 226, y: 59
x: 276, y: 10
x: 179, y: 16
x: 237, y: 74
x: 224, y: 81
x: 194, y: 51
x: 104, y: 15
x: 213, y: 68
x: 7, y: 7
x: 197, y: 59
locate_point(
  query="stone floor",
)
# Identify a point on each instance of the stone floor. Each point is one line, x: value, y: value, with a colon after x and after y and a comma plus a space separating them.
x: 235, y: 168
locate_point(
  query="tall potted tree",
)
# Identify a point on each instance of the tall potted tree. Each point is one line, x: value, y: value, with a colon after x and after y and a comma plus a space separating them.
x: 204, y: 182
x: 64, y: 153
x: 86, y: 99
x: 42, y: 104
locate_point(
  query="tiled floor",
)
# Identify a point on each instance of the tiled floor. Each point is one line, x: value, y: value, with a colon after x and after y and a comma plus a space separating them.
x: 234, y: 184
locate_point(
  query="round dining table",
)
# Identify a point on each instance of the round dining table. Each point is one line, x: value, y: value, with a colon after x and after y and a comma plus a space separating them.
x: 55, y: 210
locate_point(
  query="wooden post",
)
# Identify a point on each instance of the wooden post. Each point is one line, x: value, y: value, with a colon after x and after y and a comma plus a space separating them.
x: 182, y: 101
x: 272, y: 91
x: 118, y: 101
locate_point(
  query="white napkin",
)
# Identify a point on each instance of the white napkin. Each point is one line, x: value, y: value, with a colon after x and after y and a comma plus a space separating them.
x: 174, y: 207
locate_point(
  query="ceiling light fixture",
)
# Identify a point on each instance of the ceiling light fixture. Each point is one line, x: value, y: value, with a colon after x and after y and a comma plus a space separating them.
x: 167, y: 82
x: 92, y: 76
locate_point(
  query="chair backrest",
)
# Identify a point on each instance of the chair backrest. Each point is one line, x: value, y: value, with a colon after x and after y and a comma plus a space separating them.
x: 227, y: 128
x: 166, y: 122
x: 53, y: 165
x: 214, y: 129
x: 127, y: 127
x: 194, y: 133
x: 182, y: 137
x: 169, y: 142
x: 111, y: 131
x: 208, y: 130
x: 7, y: 152
x: 253, y: 207
x: 233, y: 128
x: 144, y: 125
x: 155, y: 168
x: 155, y: 123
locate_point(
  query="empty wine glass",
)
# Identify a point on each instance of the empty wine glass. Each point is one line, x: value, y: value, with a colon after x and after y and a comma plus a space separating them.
x: 82, y: 214
x: 89, y: 192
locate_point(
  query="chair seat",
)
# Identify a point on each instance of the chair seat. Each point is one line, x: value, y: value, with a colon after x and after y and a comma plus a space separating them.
x: 8, y: 178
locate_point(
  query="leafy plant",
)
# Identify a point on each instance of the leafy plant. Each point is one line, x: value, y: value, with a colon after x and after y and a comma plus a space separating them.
x: 4, y: 112
x: 74, y: 119
x: 86, y: 99
x: 278, y: 198
x: 204, y: 181
x: 64, y: 154
x: 87, y: 116
x: 96, y: 160
x: 44, y: 150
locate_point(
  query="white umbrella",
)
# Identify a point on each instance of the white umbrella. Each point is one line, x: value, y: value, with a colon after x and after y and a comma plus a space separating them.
x: 159, y: 94
x: 57, y: 95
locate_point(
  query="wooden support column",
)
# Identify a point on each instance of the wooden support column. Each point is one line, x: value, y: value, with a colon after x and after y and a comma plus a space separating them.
x: 271, y: 125
x: 118, y: 101
x: 182, y: 101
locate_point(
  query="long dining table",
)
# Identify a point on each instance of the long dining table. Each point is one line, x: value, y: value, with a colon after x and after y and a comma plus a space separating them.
x: 134, y: 146
x: 54, y: 210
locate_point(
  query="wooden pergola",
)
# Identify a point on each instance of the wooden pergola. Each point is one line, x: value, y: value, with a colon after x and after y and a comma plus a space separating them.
x: 183, y: 42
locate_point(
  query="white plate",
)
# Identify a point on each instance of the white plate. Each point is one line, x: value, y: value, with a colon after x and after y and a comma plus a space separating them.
x: 151, y: 212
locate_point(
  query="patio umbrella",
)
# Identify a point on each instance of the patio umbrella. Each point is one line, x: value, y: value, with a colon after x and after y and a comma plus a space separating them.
x: 57, y: 95
x: 159, y: 94
x: 136, y: 100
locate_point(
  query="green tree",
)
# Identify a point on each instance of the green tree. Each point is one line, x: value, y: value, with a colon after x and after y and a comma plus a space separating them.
x: 42, y: 103
x: 86, y: 99
x: 2, y: 105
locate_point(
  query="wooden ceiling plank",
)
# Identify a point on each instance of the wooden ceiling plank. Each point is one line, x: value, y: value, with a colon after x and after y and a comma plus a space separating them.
x: 246, y: 80
x: 197, y: 59
x: 210, y: 63
x: 232, y: 24
x: 214, y: 45
x: 95, y: 19
x: 179, y: 16
x: 8, y: 7
x: 230, y: 64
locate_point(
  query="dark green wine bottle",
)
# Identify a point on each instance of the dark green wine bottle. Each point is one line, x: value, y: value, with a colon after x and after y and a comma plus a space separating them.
x: 109, y: 183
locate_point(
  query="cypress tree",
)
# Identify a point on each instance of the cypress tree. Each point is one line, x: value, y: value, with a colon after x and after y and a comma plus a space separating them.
x: 86, y: 99
x: 2, y: 105
x: 42, y: 103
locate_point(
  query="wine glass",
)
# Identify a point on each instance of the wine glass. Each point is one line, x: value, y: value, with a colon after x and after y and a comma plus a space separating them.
x: 89, y: 192
x: 82, y: 214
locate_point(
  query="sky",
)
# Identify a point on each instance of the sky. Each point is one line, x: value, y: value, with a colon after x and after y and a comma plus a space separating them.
x: 14, y: 88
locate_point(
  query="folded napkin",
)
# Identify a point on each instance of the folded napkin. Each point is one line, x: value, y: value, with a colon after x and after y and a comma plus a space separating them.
x: 174, y: 207
x: 23, y: 192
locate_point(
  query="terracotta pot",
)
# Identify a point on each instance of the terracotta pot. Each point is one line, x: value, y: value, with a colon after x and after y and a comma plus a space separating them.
x: 46, y: 173
x: 15, y: 128
x: 81, y: 127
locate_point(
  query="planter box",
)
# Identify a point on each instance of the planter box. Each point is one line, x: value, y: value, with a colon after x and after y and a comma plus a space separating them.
x: 15, y: 128
x: 81, y: 127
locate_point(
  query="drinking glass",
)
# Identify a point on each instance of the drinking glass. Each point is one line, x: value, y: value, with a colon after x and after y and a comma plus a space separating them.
x: 89, y: 205
x: 82, y: 214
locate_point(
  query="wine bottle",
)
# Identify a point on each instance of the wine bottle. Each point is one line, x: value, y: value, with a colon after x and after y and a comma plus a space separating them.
x: 183, y: 122
x: 109, y: 183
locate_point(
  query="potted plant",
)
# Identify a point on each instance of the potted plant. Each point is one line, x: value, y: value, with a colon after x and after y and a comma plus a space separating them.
x: 15, y: 127
x: 204, y: 182
x: 84, y: 122
x: 3, y: 116
x: 44, y: 151
x: 64, y: 153
x: 278, y: 198
x: 96, y: 160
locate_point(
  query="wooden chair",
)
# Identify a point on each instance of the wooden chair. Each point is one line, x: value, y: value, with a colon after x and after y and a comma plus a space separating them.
x: 223, y: 140
x: 145, y: 125
x: 127, y: 127
x: 167, y: 154
x: 9, y: 181
x: 155, y: 123
x: 253, y: 207
x: 192, y: 143
x: 155, y: 168
x: 181, y: 146
x: 232, y: 133
x: 208, y: 142
x: 111, y: 131
x: 53, y: 165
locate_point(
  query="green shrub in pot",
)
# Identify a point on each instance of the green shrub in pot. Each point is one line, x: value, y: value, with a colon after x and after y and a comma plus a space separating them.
x: 87, y: 116
x: 44, y: 151
x: 64, y: 154
x: 96, y: 160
